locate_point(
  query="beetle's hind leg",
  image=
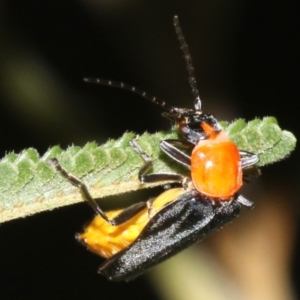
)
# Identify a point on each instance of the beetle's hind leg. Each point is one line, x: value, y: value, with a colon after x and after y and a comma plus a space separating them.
x: 124, y: 216
x: 155, y: 177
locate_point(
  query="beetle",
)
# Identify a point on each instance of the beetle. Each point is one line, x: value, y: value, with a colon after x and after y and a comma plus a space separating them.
x: 136, y: 238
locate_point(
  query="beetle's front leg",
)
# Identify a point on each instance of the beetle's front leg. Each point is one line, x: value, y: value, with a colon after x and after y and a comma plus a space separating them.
x: 169, y: 147
x: 156, y: 177
x: 248, y: 159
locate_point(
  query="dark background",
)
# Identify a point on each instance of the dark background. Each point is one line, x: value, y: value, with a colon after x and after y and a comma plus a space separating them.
x: 246, y: 55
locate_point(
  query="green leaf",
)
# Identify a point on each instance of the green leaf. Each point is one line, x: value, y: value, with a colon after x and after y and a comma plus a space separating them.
x: 29, y: 184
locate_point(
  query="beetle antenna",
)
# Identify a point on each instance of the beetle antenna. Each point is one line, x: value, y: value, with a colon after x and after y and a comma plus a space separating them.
x: 189, y: 63
x: 132, y: 89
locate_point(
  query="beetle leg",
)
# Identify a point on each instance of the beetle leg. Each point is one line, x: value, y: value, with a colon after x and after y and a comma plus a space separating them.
x: 156, y: 177
x: 168, y: 147
x: 180, y: 143
x: 121, y: 218
x: 248, y: 159
x: 245, y: 201
x: 129, y: 212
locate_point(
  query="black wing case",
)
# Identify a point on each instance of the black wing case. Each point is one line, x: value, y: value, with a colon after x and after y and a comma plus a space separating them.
x: 186, y: 220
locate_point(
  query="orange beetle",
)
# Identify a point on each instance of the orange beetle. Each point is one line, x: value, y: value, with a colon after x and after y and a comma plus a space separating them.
x: 136, y: 238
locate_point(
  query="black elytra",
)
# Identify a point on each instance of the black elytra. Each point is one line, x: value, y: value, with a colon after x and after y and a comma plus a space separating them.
x: 186, y: 220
